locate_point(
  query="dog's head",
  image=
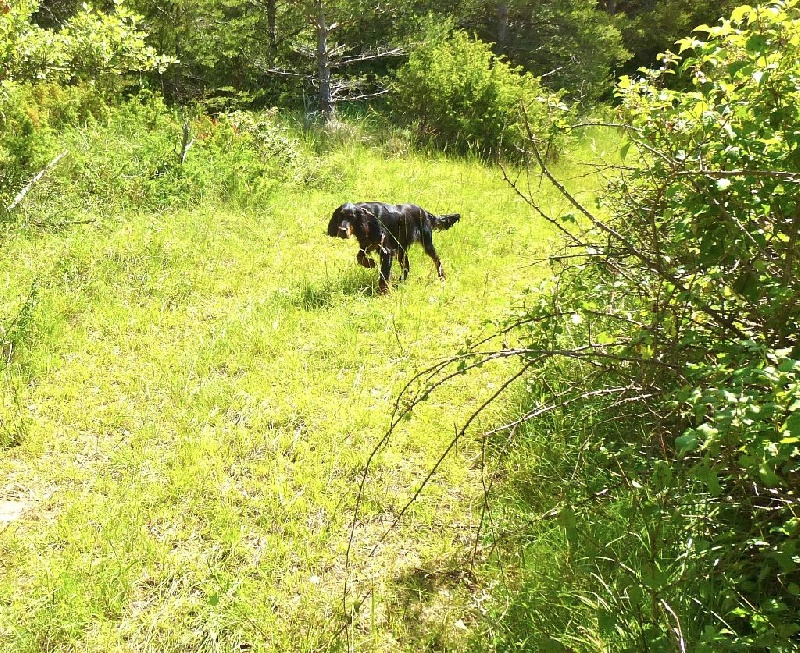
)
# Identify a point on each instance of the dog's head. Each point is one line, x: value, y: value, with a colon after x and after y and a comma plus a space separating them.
x: 342, y: 221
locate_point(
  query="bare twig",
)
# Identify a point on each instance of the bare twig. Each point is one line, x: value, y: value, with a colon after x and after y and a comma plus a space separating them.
x: 459, y: 434
x: 369, y: 56
x: 560, y: 402
x: 783, y: 175
x: 655, y: 265
x: 287, y: 73
x: 677, y: 632
x: 528, y: 198
x: 186, y: 141
x: 21, y: 195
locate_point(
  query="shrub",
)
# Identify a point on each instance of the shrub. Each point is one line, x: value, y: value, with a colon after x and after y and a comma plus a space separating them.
x: 132, y: 158
x: 50, y: 80
x: 91, y: 47
x: 718, y: 215
x: 31, y: 117
x: 463, y: 97
x: 677, y: 309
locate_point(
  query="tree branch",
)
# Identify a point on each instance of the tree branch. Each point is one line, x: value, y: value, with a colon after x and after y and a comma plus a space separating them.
x: 21, y: 195
x: 369, y: 56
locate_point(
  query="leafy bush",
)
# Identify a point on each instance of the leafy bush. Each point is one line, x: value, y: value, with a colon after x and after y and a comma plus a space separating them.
x: 462, y: 97
x: 91, y: 46
x: 669, y: 346
x: 719, y: 207
x: 31, y: 119
x: 54, y: 79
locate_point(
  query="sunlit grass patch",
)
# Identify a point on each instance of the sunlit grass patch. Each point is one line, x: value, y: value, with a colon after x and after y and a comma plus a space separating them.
x: 196, y: 392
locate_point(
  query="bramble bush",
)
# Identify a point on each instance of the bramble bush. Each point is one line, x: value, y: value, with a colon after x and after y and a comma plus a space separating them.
x: 670, y: 345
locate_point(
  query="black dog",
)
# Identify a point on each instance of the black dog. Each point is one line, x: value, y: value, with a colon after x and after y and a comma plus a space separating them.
x: 389, y: 229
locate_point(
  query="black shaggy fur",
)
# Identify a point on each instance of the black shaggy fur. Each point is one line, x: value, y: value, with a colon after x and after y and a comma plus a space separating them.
x: 389, y: 229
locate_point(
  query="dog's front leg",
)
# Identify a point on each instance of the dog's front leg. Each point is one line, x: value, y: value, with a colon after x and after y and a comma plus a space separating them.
x: 365, y: 260
x: 386, y: 269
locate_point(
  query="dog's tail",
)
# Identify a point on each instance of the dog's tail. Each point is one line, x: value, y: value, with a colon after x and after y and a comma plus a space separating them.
x: 444, y: 221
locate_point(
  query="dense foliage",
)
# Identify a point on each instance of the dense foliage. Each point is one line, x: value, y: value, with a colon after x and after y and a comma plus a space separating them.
x: 463, y: 98
x: 264, y: 52
x: 90, y: 46
x: 572, y: 44
x: 649, y: 28
x: 52, y: 79
x: 679, y: 309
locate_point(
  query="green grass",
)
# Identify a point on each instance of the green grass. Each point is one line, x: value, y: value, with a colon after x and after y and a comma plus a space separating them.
x: 190, y: 396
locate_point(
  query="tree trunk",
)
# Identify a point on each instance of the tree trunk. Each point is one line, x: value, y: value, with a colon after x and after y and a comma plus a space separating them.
x: 323, y: 64
x: 271, y: 15
x: 502, y: 27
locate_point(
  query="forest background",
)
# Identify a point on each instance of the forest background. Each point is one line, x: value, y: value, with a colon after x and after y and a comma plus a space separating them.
x: 615, y: 361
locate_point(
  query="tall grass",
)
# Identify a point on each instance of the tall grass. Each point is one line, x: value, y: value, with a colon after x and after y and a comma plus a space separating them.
x: 195, y: 375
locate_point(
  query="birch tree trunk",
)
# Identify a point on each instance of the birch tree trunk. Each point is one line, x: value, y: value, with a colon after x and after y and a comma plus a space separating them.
x: 323, y: 63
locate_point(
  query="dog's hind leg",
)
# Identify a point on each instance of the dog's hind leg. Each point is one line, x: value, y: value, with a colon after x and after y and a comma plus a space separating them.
x: 430, y: 250
x: 402, y: 258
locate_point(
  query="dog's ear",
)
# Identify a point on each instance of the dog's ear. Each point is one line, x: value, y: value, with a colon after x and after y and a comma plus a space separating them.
x: 340, y: 226
x: 369, y: 226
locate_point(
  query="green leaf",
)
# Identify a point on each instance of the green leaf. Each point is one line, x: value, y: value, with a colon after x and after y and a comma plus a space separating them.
x: 569, y: 521
x: 709, y: 478
x: 687, y: 442
x: 757, y: 43
x: 662, y: 475
x: 686, y: 44
x: 740, y: 13
x: 768, y: 476
x: 786, y: 561
x: 792, y: 426
x: 604, y: 338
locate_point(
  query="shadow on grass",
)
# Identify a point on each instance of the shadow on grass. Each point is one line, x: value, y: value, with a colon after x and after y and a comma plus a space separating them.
x: 423, y: 604
x: 322, y: 293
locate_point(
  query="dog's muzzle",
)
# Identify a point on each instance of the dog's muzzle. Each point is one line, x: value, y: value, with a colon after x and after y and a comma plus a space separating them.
x: 345, y: 230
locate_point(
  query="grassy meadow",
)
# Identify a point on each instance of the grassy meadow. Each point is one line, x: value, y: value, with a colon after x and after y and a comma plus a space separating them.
x: 191, y: 390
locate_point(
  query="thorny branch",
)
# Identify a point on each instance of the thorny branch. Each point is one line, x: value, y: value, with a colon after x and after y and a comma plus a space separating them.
x: 430, y: 379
